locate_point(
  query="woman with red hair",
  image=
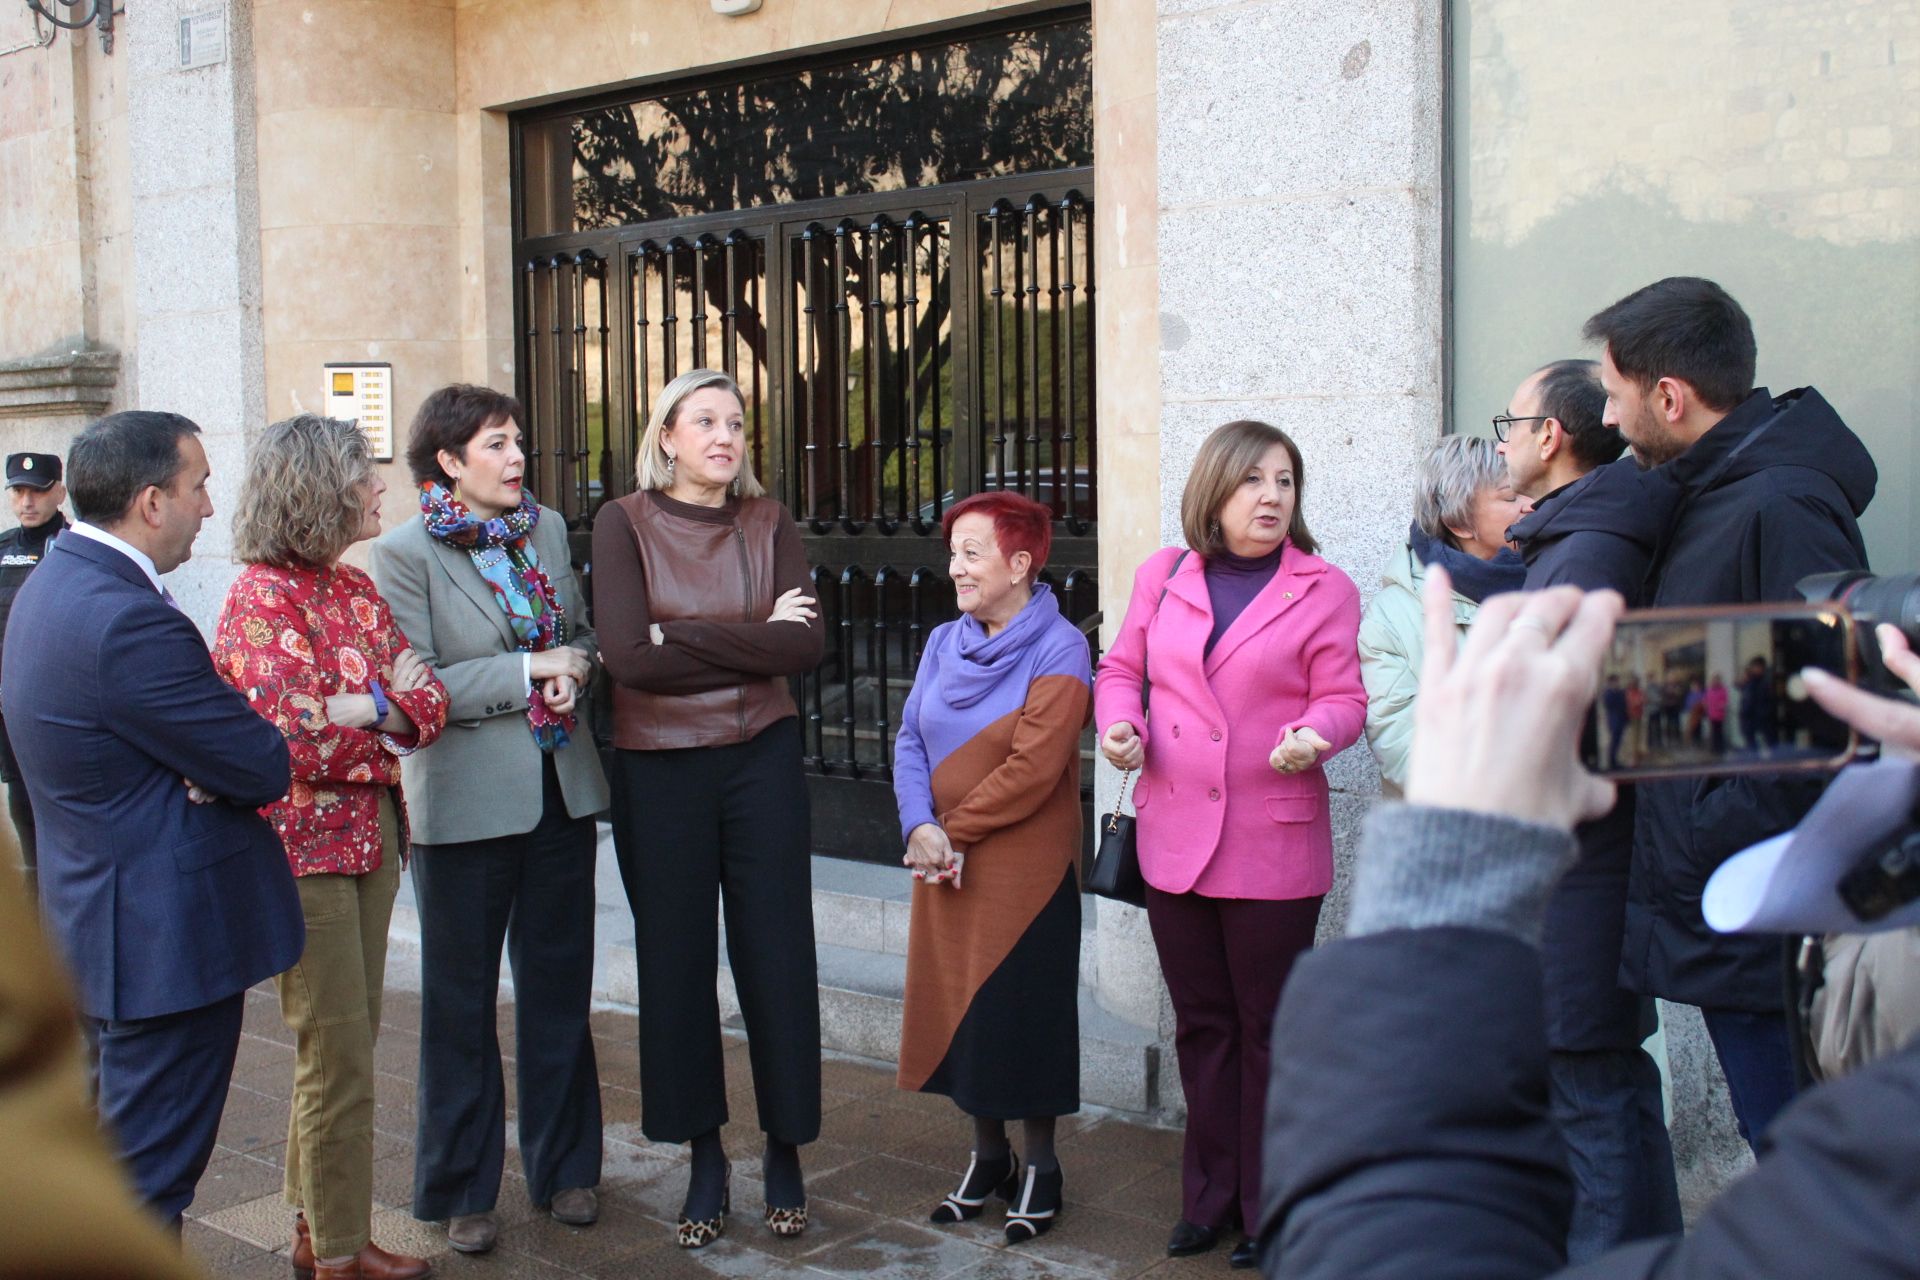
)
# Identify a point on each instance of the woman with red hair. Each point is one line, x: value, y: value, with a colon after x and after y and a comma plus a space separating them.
x: 987, y: 774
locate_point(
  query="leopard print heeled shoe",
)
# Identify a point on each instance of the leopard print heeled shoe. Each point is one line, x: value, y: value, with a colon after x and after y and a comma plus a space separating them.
x: 787, y: 1223
x: 689, y: 1234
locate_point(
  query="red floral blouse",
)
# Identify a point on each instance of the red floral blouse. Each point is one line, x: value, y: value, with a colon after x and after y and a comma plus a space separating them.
x: 290, y: 638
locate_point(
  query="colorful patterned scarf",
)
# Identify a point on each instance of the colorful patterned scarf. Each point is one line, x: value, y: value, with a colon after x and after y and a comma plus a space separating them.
x: 502, y: 550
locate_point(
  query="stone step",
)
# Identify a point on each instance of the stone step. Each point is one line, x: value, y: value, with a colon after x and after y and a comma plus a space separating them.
x: 863, y: 909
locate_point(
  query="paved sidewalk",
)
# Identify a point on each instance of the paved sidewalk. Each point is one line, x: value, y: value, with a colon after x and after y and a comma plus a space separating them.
x: 884, y: 1160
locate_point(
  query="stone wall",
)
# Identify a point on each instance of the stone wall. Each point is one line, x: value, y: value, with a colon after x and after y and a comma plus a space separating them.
x: 195, y: 274
x: 1300, y: 268
x: 65, y: 220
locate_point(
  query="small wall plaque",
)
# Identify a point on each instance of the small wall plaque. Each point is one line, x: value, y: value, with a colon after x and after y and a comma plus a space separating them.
x: 203, y: 39
x: 364, y: 392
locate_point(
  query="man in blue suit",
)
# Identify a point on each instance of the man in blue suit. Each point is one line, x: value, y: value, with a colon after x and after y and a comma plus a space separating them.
x: 169, y: 894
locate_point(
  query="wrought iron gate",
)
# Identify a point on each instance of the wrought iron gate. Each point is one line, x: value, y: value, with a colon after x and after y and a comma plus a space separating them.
x: 898, y: 350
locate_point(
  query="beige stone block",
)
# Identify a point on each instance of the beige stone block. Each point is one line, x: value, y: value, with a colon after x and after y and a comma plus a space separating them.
x: 1869, y: 140
x: 1123, y: 51
x: 296, y: 374
x: 488, y: 362
x: 1128, y: 337
x: 1129, y: 531
x: 812, y: 24
x: 358, y: 165
x: 490, y: 281
x: 353, y: 53
x: 26, y: 92
x: 1126, y: 183
x: 358, y: 283
x: 510, y: 51
x: 914, y: 13
x: 43, y: 296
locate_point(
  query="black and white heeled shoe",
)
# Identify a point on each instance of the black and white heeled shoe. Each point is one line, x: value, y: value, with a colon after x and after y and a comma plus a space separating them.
x: 999, y: 1177
x: 1037, y: 1207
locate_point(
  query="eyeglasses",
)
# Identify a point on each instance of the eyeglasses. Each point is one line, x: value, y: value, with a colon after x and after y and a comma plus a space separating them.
x: 1503, y: 424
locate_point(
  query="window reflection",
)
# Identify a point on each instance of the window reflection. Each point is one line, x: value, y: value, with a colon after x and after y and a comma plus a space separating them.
x: 1012, y: 102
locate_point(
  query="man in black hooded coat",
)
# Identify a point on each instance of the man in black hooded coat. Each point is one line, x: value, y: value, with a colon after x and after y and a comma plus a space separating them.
x: 1761, y: 492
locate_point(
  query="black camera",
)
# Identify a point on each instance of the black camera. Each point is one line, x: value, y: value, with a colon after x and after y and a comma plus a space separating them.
x: 1872, y: 600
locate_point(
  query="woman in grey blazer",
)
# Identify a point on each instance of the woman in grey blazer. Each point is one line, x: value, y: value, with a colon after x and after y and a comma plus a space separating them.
x: 503, y: 810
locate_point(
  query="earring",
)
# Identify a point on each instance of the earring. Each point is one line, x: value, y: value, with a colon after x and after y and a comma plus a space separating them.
x: 736, y: 486
x: 670, y: 462
x: 1213, y: 529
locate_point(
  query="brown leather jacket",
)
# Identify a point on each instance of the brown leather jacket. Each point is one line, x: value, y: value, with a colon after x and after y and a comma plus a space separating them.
x: 708, y: 577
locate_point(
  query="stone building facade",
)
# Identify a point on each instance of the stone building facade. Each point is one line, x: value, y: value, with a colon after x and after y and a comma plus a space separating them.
x: 1327, y: 216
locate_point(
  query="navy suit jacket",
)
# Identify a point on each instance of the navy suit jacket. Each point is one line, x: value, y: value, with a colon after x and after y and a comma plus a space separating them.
x: 111, y: 699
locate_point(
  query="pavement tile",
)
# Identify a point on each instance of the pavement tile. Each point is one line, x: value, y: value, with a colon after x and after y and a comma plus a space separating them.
x: 1155, y: 1197
x: 875, y: 1124
x: 1109, y: 1244
x: 580, y: 1248
x: 398, y: 1231
x: 619, y: 1105
x: 252, y: 1121
x: 1097, y: 1176
x: 900, y: 1249
x: 1161, y: 1146
x: 1202, y: 1266
x: 885, y: 1185
x: 393, y: 1180
x: 1011, y: 1264
x: 234, y: 1180
x: 260, y: 1266
x: 397, y: 1052
x: 848, y: 1076
x: 884, y: 1159
x: 214, y: 1250
x: 265, y: 1221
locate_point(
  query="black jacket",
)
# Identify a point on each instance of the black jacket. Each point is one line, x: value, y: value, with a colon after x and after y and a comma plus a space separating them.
x: 1600, y: 531
x: 20, y: 553
x: 1767, y: 497
x: 1408, y: 1135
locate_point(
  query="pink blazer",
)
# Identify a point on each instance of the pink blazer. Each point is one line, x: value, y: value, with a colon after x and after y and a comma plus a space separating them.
x: 1215, y: 818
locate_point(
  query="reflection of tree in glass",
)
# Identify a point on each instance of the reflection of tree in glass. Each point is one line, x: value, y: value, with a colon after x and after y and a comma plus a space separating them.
x: 1017, y: 102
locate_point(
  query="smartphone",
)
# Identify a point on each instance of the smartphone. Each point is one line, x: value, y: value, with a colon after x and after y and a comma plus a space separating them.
x: 1688, y: 692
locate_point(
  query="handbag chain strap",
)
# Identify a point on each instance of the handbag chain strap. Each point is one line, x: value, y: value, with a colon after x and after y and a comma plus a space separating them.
x: 1120, y: 801
x: 1146, y: 687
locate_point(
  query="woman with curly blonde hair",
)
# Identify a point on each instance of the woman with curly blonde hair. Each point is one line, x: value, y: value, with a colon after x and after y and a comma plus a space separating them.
x: 314, y: 649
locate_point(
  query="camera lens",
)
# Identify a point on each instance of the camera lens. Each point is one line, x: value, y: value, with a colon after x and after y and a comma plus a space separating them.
x: 1873, y: 600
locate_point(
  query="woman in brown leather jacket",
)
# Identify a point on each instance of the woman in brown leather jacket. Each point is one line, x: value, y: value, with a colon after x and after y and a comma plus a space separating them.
x: 700, y: 584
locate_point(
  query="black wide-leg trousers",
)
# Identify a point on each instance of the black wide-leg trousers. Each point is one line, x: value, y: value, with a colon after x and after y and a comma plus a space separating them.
x: 724, y: 825
x: 533, y: 894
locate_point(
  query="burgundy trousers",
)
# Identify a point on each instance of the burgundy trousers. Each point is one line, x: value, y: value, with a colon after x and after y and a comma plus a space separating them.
x: 1225, y: 961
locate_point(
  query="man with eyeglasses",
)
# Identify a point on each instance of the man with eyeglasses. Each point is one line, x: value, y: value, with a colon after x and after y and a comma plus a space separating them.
x: 1594, y: 524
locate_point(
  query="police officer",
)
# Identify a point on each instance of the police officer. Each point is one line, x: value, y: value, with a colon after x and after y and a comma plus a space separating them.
x: 35, y: 489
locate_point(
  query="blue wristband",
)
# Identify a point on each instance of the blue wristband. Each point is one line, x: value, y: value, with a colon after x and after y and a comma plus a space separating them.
x: 381, y: 707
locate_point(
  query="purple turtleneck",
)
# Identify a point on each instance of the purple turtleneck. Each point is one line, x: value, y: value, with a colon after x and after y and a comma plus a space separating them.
x: 1232, y: 583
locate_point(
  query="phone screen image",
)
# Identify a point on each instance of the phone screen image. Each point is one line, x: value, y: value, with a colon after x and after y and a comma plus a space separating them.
x: 1709, y: 691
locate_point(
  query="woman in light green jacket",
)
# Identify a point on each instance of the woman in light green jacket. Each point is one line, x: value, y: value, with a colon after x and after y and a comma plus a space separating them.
x: 1463, y: 503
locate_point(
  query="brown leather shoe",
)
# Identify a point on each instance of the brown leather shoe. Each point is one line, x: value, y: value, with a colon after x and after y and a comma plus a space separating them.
x: 375, y: 1263
x: 302, y: 1255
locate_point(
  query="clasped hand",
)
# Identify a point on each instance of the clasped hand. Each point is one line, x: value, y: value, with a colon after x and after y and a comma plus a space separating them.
x: 358, y: 711
x: 1123, y: 747
x: 1299, y: 749
x: 931, y: 856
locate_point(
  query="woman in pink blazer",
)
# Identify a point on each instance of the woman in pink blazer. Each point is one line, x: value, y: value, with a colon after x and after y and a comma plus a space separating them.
x: 1250, y: 641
